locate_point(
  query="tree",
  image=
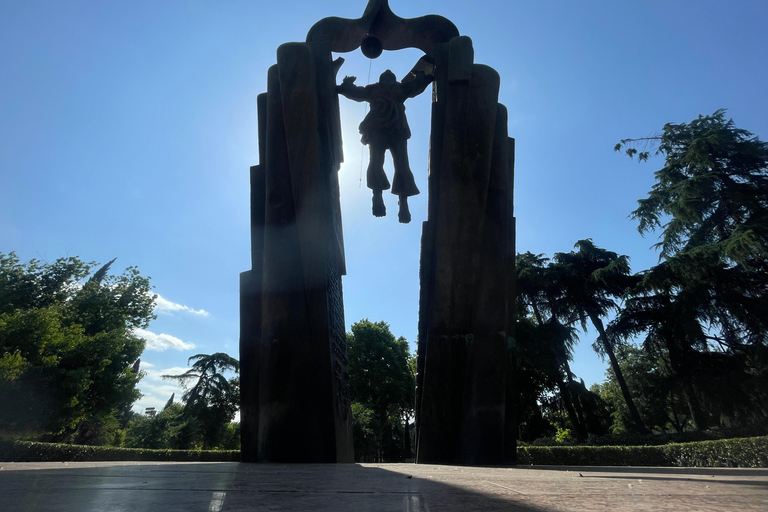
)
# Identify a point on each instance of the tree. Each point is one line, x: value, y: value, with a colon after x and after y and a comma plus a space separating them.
x: 687, y: 309
x: 591, y: 280
x: 712, y: 191
x: 651, y: 388
x: 705, y: 306
x: 67, y: 348
x: 545, y: 346
x: 170, y: 429
x: 382, y: 382
x: 212, y: 401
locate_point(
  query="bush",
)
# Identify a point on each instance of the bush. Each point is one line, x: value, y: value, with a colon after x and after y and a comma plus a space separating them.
x: 634, y: 439
x: 742, y: 453
x: 26, y: 451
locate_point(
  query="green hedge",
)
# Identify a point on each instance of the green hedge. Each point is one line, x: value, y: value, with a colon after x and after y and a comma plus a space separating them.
x: 26, y: 451
x: 743, y: 453
x: 714, y: 434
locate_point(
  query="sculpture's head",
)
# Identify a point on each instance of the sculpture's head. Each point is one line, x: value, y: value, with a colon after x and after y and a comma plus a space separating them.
x: 387, y: 77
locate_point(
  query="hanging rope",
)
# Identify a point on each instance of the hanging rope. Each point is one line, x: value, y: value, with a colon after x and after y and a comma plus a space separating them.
x: 365, y: 112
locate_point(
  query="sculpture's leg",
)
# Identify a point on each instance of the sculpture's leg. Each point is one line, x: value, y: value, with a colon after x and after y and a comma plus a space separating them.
x: 403, y: 183
x: 379, y: 209
x: 404, y: 214
x: 377, y: 179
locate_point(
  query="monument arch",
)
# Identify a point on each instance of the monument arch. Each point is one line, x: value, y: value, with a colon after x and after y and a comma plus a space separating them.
x: 294, y: 373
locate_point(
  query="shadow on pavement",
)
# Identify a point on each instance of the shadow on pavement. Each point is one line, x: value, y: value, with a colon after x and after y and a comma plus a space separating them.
x: 215, y: 487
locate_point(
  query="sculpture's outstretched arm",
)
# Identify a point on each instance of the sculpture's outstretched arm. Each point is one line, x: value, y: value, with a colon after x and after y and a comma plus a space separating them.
x: 350, y: 90
x: 416, y: 86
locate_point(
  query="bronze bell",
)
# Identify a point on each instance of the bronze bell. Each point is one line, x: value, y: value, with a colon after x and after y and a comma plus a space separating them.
x: 371, y: 47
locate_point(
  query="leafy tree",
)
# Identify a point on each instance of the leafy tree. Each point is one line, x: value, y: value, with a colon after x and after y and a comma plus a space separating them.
x: 67, y: 348
x: 364, y: 434
x: 532, y: 384
x: 545, y: 347
x: 591, y: 280
x: 212, y: 401
x: 169, y: 429
x: 382, y: 384
x: 705, y: 306
x: 650, y: 386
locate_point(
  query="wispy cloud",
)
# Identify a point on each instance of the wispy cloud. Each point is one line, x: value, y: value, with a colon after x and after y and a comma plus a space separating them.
x: 161, y: 342
x: 163, y: 305
x: 155, y: 390
x: 157, y: 375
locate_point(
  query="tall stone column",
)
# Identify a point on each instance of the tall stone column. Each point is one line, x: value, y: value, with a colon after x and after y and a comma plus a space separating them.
x: 294, y: 373
x: 467, y: 264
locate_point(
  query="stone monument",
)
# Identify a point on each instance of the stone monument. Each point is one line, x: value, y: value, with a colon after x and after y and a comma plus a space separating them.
x: 294, y: 377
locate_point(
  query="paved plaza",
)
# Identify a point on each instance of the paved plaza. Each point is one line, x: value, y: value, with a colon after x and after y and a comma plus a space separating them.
x: 215, y: 487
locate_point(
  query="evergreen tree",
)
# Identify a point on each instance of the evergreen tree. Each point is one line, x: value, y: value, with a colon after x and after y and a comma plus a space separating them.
x: 545, y: 343
x: 592, y: 279
x: 211, y: 402
x: 705, y: 306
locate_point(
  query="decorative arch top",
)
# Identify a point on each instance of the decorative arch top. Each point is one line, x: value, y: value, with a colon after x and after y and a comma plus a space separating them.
x: 380, y: 29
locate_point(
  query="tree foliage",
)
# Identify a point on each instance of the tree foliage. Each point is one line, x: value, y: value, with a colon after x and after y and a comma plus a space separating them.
x: 545, y: 339
x: 211, y: 402
x: 711, y: 193
x: 168, y: 429
x: 68, y: 354
x: 382, y: 389
x: 651, y: 387
x: 704, y: 307
x: 592, y: 280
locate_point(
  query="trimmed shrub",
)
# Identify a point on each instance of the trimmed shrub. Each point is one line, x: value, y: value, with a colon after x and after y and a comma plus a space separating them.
x: 742, y: 453
x: 26, y: 451
x: 634, y: 439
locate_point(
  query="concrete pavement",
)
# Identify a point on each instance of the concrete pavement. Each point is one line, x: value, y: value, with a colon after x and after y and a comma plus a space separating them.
x: 215, y: 487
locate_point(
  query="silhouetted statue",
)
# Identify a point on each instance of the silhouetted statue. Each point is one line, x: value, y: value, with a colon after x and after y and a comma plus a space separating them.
x: 385, y: 127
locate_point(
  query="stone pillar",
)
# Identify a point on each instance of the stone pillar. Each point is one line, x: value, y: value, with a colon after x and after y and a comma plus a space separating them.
x: 467, y: 264
x: 294, y: 376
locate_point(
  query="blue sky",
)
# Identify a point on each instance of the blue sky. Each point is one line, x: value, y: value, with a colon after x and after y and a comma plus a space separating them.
x: 127, y: 130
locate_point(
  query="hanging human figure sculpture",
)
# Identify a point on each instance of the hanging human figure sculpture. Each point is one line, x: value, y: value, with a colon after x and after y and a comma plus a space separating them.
x: 385, y: 127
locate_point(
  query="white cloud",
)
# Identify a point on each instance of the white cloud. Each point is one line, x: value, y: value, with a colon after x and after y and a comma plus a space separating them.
x: 163, y: 305
x: 156, y: 377
x: 173, y: 370
x: 155, y: 390
x: 161, y: 342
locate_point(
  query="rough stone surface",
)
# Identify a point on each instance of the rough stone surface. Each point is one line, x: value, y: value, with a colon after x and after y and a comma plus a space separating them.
x: 215, y: 487
x: 295, y: 402
x: 467, y: 266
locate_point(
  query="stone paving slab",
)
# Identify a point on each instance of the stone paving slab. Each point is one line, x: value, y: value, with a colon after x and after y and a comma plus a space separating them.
x: 216, y: 487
